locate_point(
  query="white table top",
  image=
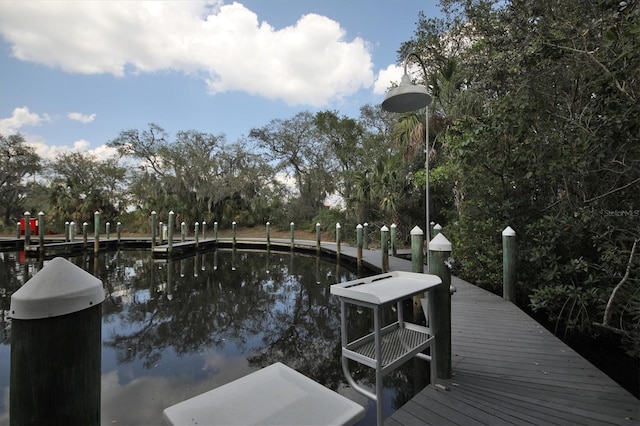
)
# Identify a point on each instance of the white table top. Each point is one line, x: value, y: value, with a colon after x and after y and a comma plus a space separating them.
x: 386, y: 288
x: 275, y: 395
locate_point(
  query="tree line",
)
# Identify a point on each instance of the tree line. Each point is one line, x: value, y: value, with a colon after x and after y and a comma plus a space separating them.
x: 534, y: 125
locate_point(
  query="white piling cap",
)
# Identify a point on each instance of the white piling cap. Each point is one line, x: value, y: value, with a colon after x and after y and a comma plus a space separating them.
x: 384, y: 228
x: 437, y: 226
x: 393, y: 225
x: 359, y: 226
x: 338, y: 226
x: 417, y: 231
x: 440, y: 243
x: 318, y: 224
x: 291, y: 223
x: 60, y: 288
x: 508, y: 232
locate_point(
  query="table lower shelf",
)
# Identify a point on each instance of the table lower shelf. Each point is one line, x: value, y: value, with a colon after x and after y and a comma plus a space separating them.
x: 397, y: 346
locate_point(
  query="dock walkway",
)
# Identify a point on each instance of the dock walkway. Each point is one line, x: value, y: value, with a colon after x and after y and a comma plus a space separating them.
x: 508, y: 370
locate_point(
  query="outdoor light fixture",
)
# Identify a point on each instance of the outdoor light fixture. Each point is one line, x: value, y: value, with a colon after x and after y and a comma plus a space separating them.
x: 407, y: 97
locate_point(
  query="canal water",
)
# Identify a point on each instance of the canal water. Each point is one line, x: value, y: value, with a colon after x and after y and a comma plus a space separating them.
x: 174, y: 329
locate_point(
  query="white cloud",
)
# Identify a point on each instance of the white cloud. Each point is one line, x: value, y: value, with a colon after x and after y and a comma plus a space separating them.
x: 309, y: 62
x: 386, y: 77
x: 77, y: 116
x: 49, y: 152
x: 19, y: 118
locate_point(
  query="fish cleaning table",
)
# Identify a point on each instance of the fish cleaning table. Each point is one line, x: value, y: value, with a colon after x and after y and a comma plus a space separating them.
x: 388, y: 347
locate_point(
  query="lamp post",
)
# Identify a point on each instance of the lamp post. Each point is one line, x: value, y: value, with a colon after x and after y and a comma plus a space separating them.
x: 407, y: 97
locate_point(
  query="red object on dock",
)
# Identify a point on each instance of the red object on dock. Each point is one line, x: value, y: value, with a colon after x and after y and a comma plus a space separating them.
x: 33, y: 226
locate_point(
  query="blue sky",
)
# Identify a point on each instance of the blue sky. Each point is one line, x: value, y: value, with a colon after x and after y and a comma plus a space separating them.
x: 75, y: 74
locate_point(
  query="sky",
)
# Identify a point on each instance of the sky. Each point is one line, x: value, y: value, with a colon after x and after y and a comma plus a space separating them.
x: 74, y: 74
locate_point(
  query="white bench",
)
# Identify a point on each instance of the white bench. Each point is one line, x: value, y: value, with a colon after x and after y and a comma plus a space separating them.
x: 274, y: 395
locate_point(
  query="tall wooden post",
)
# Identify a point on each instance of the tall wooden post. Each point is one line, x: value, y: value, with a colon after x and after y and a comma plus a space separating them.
x: 394, y: 237
x: 154, y: 229
x: 85, y: 234
x: 119, y: 231
x: 183, y: 232
x: 66, y: 231
x: 204, y: 229
x: 171, y: 225
x: 509, y: 264
x: 384, y: 248
x: 196, y: 233
x: 359, y: 245
x: 18, y: 233
x: 41, y: 228
x: 338, y: 240
x: 268, y: 235
x: 318, y: 232
x: 417, y: 265
x: 72, y: 231
x: 27, y: 229
x: 233, y: 231
x: 108, y: 229
x: 96, y: 232
x: 215, y: 231
x: 292, y: 230
x: 440, y: 304
x: 56, y: 337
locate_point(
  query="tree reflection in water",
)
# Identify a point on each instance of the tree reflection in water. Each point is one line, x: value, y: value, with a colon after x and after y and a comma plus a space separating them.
x: 179, y: 327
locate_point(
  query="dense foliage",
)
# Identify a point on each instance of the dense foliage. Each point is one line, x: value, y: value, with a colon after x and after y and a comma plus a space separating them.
x: 543, y: 135
x: 534, y: 125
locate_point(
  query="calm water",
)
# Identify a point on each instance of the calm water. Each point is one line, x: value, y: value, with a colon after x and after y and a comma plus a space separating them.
x: 172, y: 330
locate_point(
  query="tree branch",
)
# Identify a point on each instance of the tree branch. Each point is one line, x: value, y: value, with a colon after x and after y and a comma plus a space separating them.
x: 607, y: 311
x: 612, y: 191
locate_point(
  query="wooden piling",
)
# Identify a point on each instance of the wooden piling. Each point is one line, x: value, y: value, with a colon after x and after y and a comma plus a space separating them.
x: 384, y: 248
x: 233, y: 231
x: 56, y: 337
x: 509, y: 264
x: 440, y: 304
x: 436, y: 229
x: 268, y: 235
x: 96, y: 232
x: 27, y: 229
x: 85, y: 234
x: 119, y: 231
x: 196, y: 233
x: 359, y: 245
x: 108, y: 229
x: 417, y: 266
x: 41, y: 229
x: 338, y: 240
x: 318, y: 231
x: 154, y: 229
x: 183, y: 232
x: 171, y: 225
x: 394, y: 237
x: 292, y: 230
x: 215, y: 231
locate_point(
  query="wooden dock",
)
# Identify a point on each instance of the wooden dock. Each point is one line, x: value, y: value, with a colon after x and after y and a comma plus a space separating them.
x: 507, y: 368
